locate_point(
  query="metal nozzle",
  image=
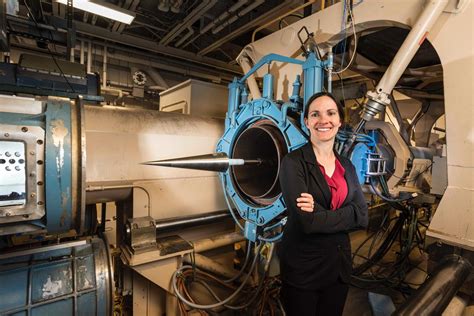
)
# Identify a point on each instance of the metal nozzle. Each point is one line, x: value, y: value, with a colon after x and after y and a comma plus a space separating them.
x: 211, y: 162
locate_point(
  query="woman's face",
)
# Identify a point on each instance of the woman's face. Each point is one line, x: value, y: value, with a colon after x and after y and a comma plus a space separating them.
x: 323, y: 119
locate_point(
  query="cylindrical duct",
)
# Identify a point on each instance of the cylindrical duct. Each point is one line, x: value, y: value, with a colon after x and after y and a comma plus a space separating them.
x: 436, y: 293
x: 118, y: 140
x: 259, y: 183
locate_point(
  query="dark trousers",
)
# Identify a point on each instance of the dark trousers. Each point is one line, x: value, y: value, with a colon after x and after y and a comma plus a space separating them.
x: 328, y: 301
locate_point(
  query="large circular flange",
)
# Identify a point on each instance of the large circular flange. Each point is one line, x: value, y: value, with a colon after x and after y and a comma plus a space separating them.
x: 259, y: 130
x: 261, y: 140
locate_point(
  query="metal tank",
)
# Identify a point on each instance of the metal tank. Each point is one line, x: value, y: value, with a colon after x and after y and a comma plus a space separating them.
x: 118, y: 140
x: 71, y: 278
x: 57, y: 157
x: 52, y: 152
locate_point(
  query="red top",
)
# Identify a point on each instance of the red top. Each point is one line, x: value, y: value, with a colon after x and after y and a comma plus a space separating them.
x: 337, y: 184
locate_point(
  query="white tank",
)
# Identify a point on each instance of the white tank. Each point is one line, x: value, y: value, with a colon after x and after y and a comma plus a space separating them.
x: 119, y: 139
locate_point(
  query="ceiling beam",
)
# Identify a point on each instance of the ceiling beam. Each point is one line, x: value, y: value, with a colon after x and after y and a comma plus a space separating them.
x: 262, y: 19
x: 133, y: 41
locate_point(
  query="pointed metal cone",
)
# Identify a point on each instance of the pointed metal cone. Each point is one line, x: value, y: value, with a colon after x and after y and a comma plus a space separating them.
x: 211, y: 162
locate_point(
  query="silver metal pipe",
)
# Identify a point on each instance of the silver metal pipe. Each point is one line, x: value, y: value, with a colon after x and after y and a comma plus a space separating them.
x: 189, y: 221
x: 237, y: 16
x: 211, y: 162
x: 410, y: 46
x: 89, y: 56
x: 188, y: 21
x: 81, y: 59
x: 377, y: 100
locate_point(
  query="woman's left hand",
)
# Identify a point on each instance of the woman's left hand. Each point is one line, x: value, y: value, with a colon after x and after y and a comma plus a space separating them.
x: 305, y: 202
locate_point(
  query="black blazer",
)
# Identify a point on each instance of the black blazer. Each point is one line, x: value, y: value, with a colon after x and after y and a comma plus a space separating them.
x: 315, y: 250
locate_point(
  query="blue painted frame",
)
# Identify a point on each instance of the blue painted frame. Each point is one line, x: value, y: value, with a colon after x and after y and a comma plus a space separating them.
x: 241, y: 114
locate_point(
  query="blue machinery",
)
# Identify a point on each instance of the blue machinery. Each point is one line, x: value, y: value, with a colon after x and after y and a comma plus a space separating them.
x: 269, y: 129
x: 41, y: 199
x: 67, y: 279
x: 41, y: 153
x: 42, y: 193
x: 266, y: 126
x: 258, y: 134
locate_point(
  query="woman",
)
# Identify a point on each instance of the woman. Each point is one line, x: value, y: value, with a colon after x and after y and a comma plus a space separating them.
x: 324, y: 202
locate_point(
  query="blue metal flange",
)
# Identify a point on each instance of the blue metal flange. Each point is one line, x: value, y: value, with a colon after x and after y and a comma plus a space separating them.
x: 257, y: 110
x: 242, y: 114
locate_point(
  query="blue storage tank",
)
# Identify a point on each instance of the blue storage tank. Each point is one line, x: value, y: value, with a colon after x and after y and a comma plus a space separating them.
x: 68, y: 279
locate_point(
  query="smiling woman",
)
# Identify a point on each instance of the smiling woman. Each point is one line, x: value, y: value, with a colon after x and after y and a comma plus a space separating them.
x: 324, y: 114
x: 324, y: 202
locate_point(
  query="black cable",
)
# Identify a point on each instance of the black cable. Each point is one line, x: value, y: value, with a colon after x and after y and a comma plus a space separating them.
x: 47, y: 46
x: 399, y: 268
x: 380, y: 195
x: 382, y: 250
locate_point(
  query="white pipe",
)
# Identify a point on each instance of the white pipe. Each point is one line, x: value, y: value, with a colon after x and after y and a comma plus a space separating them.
x: 251, y: 82
x: 104, y: 67
x: 157, y: 78
x: 223, y: 16
x: 216, y: 242
x: 238, y: 15
x: 185, y: 37
x: 188, y: 21
x: 89, y: 57
x: 82, y: 53
x: 410, y: 46
x: 252, y: 24
x: 147, y: 61
x: 119, y: 92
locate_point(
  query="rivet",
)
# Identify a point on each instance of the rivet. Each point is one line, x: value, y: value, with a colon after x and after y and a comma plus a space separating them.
x: 24, y: 129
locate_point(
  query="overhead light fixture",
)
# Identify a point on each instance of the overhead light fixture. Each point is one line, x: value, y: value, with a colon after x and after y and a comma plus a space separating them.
x: 104, y: 9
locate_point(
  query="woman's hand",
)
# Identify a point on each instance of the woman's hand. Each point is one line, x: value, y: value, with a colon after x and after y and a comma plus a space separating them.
x: 305, y: 202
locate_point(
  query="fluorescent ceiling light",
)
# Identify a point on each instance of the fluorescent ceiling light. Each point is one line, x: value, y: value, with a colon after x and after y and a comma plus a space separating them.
x: 104, y: 9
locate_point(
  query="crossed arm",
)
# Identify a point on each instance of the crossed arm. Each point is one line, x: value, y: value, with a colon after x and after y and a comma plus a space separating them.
x: 312, y: 217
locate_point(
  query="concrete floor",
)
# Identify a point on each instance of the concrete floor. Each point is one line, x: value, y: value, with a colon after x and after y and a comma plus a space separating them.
x: 357, y: 303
